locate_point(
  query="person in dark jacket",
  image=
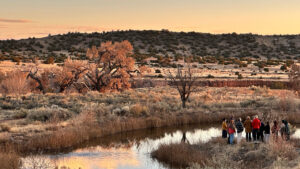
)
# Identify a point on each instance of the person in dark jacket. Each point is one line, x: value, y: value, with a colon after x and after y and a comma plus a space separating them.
x: 286, y: 130
x: 267, y: 132
x: 261, y: 131
x: 239, y: 129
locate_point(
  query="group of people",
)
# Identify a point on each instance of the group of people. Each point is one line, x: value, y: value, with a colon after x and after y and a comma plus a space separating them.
x: 255, y: 128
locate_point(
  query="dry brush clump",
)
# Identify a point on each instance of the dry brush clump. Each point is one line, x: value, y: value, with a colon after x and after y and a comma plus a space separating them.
x: 217, y: 154
x: 180, y: 155
x: 9, y: 159
x: 283, y: 149
x: 14, y: 83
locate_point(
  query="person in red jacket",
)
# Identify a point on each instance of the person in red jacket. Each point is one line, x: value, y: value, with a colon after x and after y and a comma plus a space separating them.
x: 255, y: 126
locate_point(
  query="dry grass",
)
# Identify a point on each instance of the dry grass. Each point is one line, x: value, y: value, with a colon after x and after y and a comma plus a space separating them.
x: 14, y: 83
x: 283, y: 149
x: 9, y: 159
x: 139, y: 110
x: 55, y: 122
x: 217, y: 154
x: 180, y: 155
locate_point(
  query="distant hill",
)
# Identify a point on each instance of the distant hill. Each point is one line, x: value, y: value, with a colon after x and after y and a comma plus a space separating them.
x: 158, y: 44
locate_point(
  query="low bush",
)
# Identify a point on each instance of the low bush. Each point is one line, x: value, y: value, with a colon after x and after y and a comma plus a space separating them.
x: 283, y: 149
x: 20, y: 114
x: 138, y: 110
x: 15, y: 83
x: 47, y: 114
x: 4, y: 128
x: 180, y: 155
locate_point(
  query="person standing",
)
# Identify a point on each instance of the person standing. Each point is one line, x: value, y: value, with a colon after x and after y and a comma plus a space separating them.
x: 231, y: 131
x: 282, y: 130
x: 275, y: 130
x: 224, y: 128
x: 240, y: 128
x: 256, y: 126
x: 248, y: 128
x: 287, y: 130
x: 267, y: 132
x: 261, y: 131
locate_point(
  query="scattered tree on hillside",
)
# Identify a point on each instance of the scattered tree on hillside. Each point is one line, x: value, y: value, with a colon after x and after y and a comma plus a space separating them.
x: 294, y: 77
x: 184, y: 82
x: 112, y: 67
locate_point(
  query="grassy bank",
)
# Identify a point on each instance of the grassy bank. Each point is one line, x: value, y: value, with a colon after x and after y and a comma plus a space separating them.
x: 53, y: 123
x: 217, y: 154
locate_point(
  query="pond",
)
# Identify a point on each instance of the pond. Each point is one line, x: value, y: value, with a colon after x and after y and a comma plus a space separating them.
x: 129, y: 150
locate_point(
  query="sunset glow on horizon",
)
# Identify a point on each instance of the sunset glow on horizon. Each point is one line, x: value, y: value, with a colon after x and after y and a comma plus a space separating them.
x: 38, y: 18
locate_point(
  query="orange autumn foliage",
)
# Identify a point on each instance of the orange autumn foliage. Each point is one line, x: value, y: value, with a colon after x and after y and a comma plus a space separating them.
x: 112, y: 67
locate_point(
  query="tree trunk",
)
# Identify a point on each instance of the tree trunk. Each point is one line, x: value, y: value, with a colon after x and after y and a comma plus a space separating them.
x: 183, y: 103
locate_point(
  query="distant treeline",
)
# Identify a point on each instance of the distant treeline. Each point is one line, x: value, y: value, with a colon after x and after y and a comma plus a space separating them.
x: 166, y: 44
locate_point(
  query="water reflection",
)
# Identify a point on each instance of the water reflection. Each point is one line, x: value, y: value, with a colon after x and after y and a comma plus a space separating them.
x: 296, y: 134
x: 129, y: 150
x: 100, y: 158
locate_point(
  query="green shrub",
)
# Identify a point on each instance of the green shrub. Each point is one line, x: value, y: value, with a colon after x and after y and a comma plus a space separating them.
x: 247, y: 103
x: 20, y: 114
x: 210, y: 76
x: 7, y: 105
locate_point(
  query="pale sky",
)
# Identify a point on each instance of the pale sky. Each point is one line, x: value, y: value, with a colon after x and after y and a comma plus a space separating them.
x: 38, y: 18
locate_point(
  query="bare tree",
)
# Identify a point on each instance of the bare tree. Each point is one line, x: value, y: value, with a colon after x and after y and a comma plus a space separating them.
x: 184, y: 82
x: 38, y: 79
x: 294, y: 77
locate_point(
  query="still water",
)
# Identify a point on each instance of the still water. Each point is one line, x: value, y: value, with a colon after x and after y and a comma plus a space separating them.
x: 130, y: 150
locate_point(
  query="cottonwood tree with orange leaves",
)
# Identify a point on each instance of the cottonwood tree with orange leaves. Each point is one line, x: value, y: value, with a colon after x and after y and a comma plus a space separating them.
x: 70, y: 73
x: 112, y: 66
x: 58, y: 79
